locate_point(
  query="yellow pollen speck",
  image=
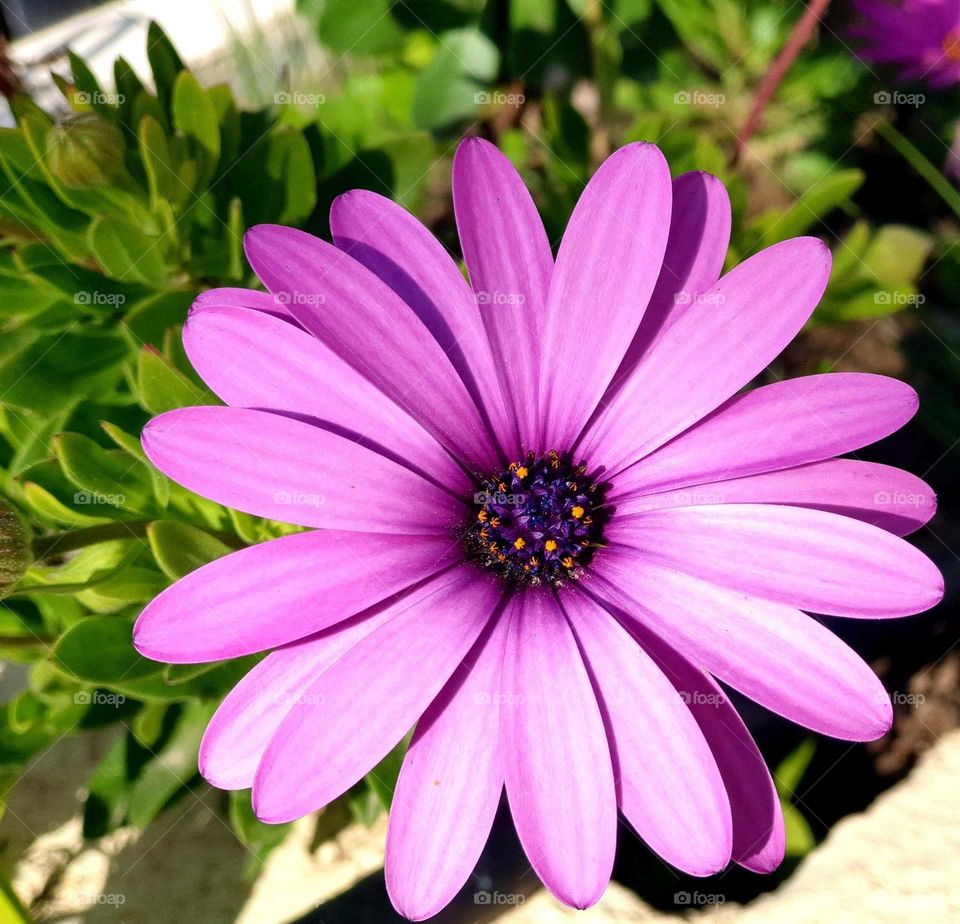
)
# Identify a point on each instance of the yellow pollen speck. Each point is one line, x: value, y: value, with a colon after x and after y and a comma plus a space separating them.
x: 550, y: 545
x: 519, y: 543
x: 577, y: 512
x: 522, y: 472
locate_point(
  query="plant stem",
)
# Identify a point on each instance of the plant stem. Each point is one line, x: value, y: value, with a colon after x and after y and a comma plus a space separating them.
x: 913, y: 156
x: 801, y: 34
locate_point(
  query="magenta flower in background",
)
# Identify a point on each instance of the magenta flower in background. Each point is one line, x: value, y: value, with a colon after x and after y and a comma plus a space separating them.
x: 920, y: 38
x: 543, y: 519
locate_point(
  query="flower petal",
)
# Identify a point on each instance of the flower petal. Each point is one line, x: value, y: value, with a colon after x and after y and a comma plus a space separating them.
x: 253, y: 299
x: 273, y: 593
x: 388, y: 678
x: 297, y: 374
x: 776, y: 655
x: 607, y: 267
x: 508, y: 257
x: 451, y: 780
x: 668, y: 784
x: 777, y: 426
x: 741, y: 324
x: 553, y: 731
x: 759, y: 839
x: 692, y: 263
x: 284, y: 469
x: 805, y: 558
x: 366, y: 323
x: 397, y: 248
x: 878, y: 494
x: 246, y: 720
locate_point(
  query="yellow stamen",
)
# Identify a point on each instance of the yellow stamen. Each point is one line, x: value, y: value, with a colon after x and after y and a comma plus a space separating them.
x: 482, y: 516
x: 519, y: 543
x: 568, y: 562
x: 577, y: 512
x: 522, y: 472
x: 550, y: 545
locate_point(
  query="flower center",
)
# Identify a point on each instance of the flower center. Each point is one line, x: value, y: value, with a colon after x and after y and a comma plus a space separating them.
x: 951, y: 45
x: 539, y: 521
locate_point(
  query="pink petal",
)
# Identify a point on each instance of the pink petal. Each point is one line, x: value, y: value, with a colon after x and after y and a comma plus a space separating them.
x: 556, y: 759
x: 759, y: 840
x: 397, y: 248
x: 366, y: 323
x: 715, y: 348
x: 508, y: 257
x: 349, y: 719
x: 777, y: 426
x: 282, y: 590
x: 805, y: 558
x: 776, y: 655
x: 668, y: 785
x: 606, y: 270
x: 692, y: 262
x: 284, y: 469
x: 451, y: 780
x: 252, y: 299
x: 241, y: 728
x: 878, y: 494
x: 297, y: 374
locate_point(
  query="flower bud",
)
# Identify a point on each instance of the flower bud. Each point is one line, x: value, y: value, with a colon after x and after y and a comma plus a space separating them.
x: 86, y: 150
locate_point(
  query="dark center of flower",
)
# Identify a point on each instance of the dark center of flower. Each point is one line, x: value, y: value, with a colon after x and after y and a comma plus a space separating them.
x: 539, y: 521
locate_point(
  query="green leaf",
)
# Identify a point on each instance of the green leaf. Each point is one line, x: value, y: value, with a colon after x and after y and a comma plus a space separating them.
x: 799, y: 835
x: 358, y: 28
x: 109, y: 476
x: 162, y: 387
x: 180, y: 549
x: 99, y: 649
x: 195, y: 115
x: 164, y: 62
x: 383, y: 777
x: 172, y: 768
x: 451, y: 86
x: 896, y: 255
x: 127, y: 253
x: 260, y: 838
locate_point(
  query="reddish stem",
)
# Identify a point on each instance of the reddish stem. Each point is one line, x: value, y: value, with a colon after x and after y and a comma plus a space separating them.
x: 801, y: 34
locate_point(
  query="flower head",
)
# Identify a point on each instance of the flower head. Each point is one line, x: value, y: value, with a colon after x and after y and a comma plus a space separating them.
x: 543, y: 521
x: 920, y: 38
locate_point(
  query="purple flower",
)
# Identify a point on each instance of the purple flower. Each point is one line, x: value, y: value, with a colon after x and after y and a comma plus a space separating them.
x: 920, y: 38
x: 543, y: 520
